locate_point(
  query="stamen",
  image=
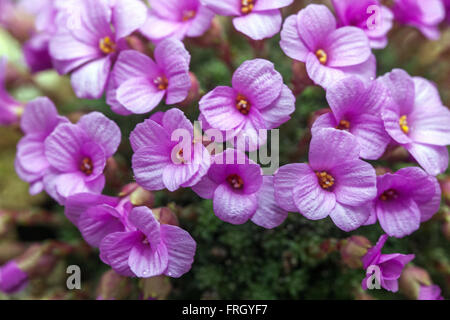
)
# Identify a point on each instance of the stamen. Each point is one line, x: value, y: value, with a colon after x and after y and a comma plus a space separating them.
x: 322, y: 56
x: 235, y: 181
x: 404, y: 124
x: 107, y: 46
x: 86, y: 166
x: 326, y: 180
x: 180, y: 155
x: 247, y: 6
x: 242, y: 104
x: 161, y: 83
x: 389, y: 194
x: 343, y: 125
x: 188, y: 15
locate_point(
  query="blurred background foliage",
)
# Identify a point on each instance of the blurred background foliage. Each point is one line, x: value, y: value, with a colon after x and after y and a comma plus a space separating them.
x: 298, y: 260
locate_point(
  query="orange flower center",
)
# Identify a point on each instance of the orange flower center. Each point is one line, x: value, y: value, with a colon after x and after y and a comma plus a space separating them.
x: 86, y: 166
x: 242, y: 104
x: 322, y: 56
x: 247, y: 6
x: 343, y: 125
x: 161, y: 83
x: 326, y: 180
x: 107, y: 46
x: 188, y: 15
x: 389, y: 194
x: 235, y: 181
x: 180, y: 156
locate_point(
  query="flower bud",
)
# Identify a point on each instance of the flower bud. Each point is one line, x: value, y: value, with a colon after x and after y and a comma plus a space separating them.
x: 212, y: 37
x: 194, y: 91
x: 165, y: 216
x: 445, y: 187
x: 12, y: 278
x: 113, y: 286
x: 300, y: 79
x: 411, y: 279
x: 142, y: 197
x: 155, y: 288
x: 353, y: 249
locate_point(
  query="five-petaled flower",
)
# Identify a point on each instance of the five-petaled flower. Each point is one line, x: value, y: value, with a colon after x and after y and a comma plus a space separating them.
x: 239, y: 191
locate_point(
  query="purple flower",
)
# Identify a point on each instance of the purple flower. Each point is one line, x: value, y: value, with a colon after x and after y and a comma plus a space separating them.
x: 36, y: 53
x: 432, y: 292
x: 10, y: 109
x: 138, y: 84
x: 97, y: 215
x: 404, y: 200
x: 335, y: 183
x: 12, y: 278
x: 176, y: 19
x: 447, y: 9
x: 257, y: 19
x: 240, y: 192
x: 77, y: 156
x: 424, y: 15
x: 89, y: 47
x: 417, y: 120
x: 149, y: 249
x: 376, y: 20
x: 258, y: 100
x: 391, y: 265
x: 159, y: 160
x: 356, y: 107
x: 39, y: 120
x: 330, y: 53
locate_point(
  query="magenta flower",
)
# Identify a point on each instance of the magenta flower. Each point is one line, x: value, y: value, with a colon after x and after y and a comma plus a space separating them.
x: 356, y: 107
x: 432, y: 292
x: 38, y: 122
x: 390, y: 265
x: 330, y: 53
x: 138, y: 84
x: 12, y: 278
x: 149, y: 249
x: 77, y: 155
x: 258, y: 100
x: 417, y: 120
x: 97, y: 215
x: 176, y: 19
x: 369, y: 15
x: 257, y: 19
x: 240, y: 192
x: 89, y: 48
x: 404, y: 200
x: 335, y: 183
x: 159, y: 160
x: 423, y: 15
x: 10, y: 109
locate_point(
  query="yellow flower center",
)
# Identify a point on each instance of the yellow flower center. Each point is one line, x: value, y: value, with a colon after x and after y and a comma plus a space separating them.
x: 404, y: 124
x: 247, y: 6
x: 161, y: 83
x: 343, y: 125
x: 235, y: 181
x: 322, y: 56
x: 326, y: 180
x: 242, y: 104
x: 107, y: 45
x: 86, y: 166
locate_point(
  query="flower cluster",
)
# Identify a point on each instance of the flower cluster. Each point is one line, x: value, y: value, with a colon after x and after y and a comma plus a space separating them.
x: 367, y: 116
